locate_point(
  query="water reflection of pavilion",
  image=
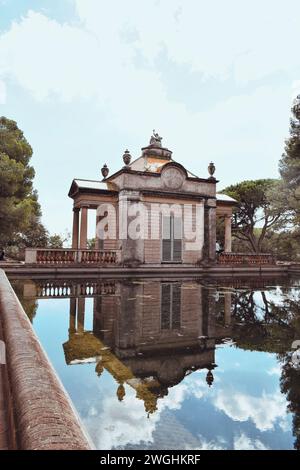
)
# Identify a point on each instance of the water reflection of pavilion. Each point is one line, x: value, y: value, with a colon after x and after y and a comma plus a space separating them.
x: 151, y: 334
x: 148, y: 335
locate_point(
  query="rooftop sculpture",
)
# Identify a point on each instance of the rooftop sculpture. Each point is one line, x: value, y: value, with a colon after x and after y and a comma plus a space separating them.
x: 155, y: 139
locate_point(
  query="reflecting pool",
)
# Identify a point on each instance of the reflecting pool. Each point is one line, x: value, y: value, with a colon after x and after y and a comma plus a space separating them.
x: 174, y: 364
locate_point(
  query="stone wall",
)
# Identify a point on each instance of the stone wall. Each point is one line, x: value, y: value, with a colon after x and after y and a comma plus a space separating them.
x: 44, y: 415
x: 152, y: 247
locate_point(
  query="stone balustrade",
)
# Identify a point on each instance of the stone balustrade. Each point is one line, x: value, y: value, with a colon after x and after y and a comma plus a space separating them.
x: 67, y: 289
x: 67, y: 256
x: 246, y: 258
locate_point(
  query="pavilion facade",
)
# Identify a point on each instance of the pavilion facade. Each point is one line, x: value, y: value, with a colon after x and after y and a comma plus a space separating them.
x: 152, y: 211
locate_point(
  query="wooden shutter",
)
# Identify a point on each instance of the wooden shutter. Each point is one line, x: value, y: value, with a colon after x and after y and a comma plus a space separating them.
x: 165, y: 306
x: 177, y: 239
x: 176, y: 306
x: 166, y: 238
x: 170, y: 306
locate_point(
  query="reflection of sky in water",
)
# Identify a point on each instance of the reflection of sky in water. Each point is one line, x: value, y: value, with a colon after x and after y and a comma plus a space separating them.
x: 244, y: 409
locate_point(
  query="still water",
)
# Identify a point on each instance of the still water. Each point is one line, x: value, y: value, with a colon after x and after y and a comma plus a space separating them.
x: 190, y: 364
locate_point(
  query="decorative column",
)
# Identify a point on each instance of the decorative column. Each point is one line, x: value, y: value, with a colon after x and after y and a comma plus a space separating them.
x: 75, y: 233
x: 132, y: 247
x: 72, y: 324
x: 227, y: 246
x: 227, y: 308
x: 98, y: 239
x: 210, y: 231
x: 208, y: 312
x: 80, y: 315
x: 83, y: 227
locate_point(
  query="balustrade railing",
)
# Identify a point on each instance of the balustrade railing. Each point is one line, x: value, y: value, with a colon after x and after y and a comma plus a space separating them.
x: 246, y: 258
x: 67, y: 289
x: 69, y: 256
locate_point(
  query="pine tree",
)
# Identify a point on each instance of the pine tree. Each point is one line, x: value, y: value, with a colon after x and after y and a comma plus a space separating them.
x: 289, y: 165
x: 20, y: 210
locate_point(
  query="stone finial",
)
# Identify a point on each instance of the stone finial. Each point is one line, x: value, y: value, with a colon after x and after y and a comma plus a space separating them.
x: 121, y: 392
x: 105, y: 170
x: 127, y: 157
x: 209, y: 378
x: 211, y: 170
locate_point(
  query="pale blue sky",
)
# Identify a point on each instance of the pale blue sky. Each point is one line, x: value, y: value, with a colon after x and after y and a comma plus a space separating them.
x: 86, y: 79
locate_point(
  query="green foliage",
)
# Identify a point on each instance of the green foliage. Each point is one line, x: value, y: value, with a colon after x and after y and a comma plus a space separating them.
x: 91, y: 243
x: 256, y: 209
x: 289, y: 164
x: 220, y: 228
x: 57, y: 241
x: 290, y: 385
x: 13, y: 142
x: 20, y: 211
x: 284, y: 244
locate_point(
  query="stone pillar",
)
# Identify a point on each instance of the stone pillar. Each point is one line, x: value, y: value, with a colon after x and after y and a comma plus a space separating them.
x: 83, y: 227
x: 29, y: 290
x: 132, y: 249
x: 72, y: 324
x: 208, y: 303
x: 227, y: 308
x: 80, y: 315
x: 75, y: 233
x: 227, y: 222
x: 98, y: 240
x: 210, y: 231
x: 129, y: 322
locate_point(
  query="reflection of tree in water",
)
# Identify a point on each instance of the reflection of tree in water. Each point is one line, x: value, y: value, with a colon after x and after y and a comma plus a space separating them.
x: 29, y: 305
x: 290, y: 378
x: 260, y: 324
x: 290, y: 385
x: 263, y: 325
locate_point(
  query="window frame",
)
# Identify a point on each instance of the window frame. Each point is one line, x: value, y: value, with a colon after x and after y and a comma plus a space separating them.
x: 172, y: 230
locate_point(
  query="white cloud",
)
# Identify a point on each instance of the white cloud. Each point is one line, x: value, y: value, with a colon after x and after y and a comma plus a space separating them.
x: 193, y: 70
x: 112, y: 423
x: 212, y: 37
x: 276, y: 370
x: 204, y: 444
x: 46, y: 57
x: 115, y: 423
x: 126, y: 423
x: 95, y: 58
x: 120, y: 423
x: 175, y: 397
x: 264, y: 411
x: 243, y: 442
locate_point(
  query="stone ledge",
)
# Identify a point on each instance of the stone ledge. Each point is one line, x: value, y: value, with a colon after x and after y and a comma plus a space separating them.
x: 44, y: 415
x: 44, y: 272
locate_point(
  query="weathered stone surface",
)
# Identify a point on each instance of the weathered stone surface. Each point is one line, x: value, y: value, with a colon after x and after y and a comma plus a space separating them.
x: 44, y: 415
x: 4, y: 423
x: 259, y: 259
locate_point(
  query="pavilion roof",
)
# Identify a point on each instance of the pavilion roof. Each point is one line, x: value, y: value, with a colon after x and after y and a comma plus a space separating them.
x: 154, y: 157
x: 225, y: 198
